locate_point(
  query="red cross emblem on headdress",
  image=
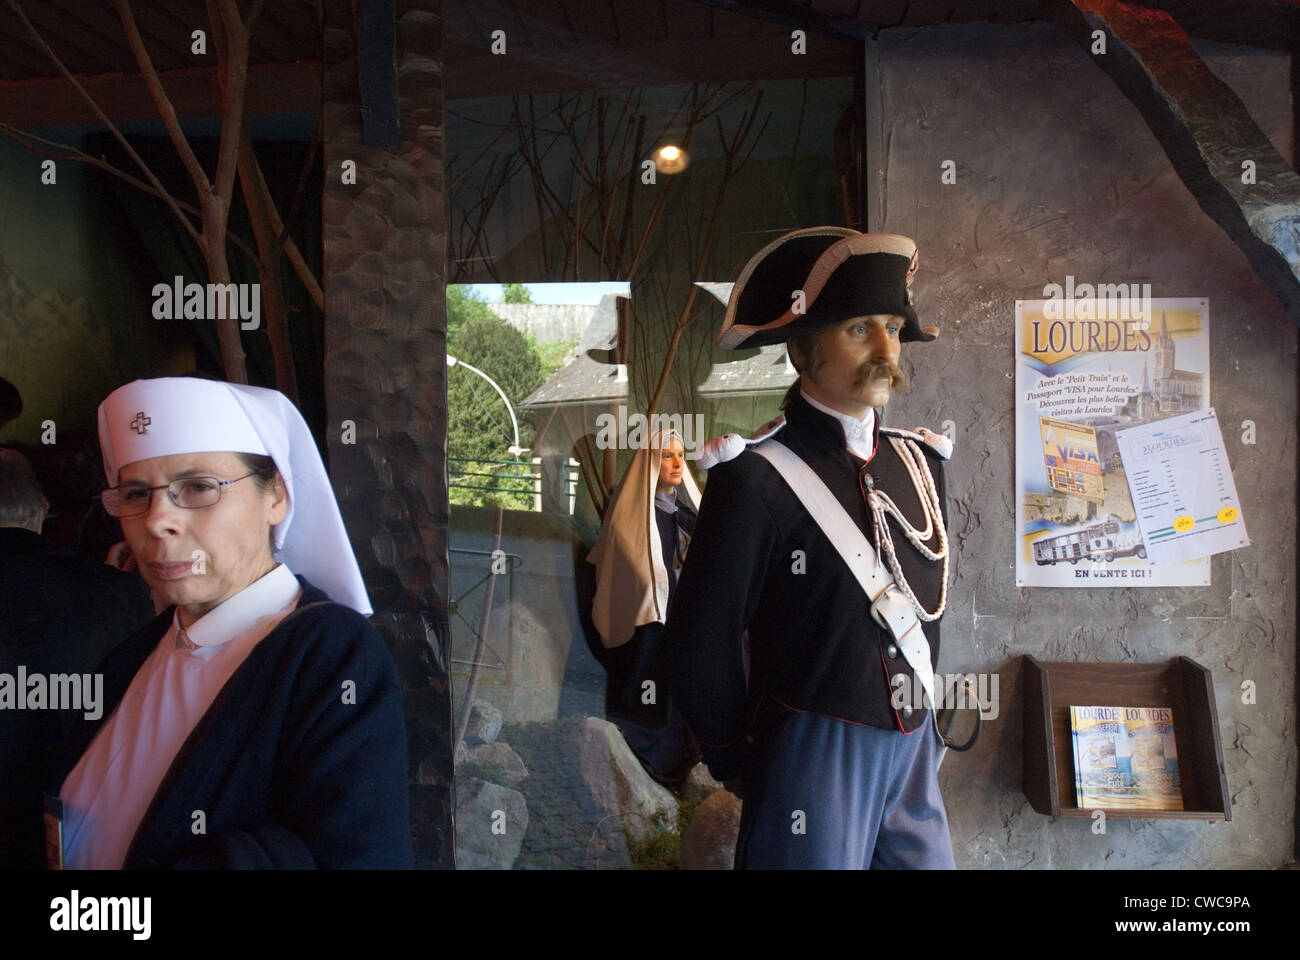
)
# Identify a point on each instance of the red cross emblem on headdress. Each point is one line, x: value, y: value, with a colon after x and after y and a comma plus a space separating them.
x: 141, y: 423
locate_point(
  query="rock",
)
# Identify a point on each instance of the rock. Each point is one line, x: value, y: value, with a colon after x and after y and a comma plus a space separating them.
x: 484, y: 724
x: 710, y: 839
x: 528, y: 638
x: 618, y: 783
x: 491, y: 821
x: 698, y: 784
x: 497, y: 762
x: 591, y: 805
x: 567, y: 828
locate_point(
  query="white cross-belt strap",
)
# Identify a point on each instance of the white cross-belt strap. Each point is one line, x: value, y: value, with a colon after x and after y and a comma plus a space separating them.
x: 890, y: 608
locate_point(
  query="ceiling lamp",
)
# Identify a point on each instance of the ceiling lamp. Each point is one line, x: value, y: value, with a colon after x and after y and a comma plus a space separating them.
x: 671, y: 159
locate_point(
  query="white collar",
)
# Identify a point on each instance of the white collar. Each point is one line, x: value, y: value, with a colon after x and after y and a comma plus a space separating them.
x: 859, y: 435
x: 239, y: 613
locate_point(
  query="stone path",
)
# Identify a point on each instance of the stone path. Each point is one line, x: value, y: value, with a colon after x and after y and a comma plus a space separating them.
x: 566, y: 829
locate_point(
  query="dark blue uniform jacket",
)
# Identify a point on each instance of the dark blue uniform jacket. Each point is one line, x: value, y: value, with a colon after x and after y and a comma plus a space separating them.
x: 759, y: 563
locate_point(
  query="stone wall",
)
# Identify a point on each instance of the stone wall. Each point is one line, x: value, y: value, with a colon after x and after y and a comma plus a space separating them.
x: 1057, y: 174
x: 548, y: 322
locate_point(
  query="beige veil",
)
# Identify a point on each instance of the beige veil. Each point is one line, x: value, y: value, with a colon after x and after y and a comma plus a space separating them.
x: 631, y: 580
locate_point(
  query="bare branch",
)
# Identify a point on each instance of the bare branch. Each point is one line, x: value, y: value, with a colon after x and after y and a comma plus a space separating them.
x: 163, y: 103
x: 798, y: 133
x: 256, y: 197
x: 595, y: 488
x: 301, y: 188
x: 281, y: 229
x: 231, y: 41
x: 731, y: 150
x: 629, y: 201
x: 253, y: 14
x: 161, y: 191
x: 63, y: 151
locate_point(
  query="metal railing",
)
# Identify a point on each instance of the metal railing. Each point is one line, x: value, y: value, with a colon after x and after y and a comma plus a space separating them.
x: 512, y: 560
x: 513, y: 482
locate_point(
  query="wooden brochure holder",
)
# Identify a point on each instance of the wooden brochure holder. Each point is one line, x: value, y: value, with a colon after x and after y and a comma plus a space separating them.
x: 1049, y: 689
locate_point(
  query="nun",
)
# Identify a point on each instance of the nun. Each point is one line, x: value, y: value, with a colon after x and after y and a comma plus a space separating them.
x: 638, y: 557
x: 257, y: 721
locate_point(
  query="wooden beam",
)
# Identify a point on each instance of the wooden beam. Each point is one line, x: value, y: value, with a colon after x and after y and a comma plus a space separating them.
x: 1205, y: 130
x: 377, y: 73
x: 595, y: 65
x: 51, y: 102
x: 866, y: 19
x: 1274, y: 24
x: 795, y: 15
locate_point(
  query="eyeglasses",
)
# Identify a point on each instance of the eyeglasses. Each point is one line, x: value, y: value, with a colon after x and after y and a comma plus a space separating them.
x: 192, y: 493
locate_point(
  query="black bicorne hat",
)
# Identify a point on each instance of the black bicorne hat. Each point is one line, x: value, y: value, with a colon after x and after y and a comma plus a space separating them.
x: 841, y: 273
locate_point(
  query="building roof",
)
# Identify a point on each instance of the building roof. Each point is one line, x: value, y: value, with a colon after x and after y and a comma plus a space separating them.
x: 584, y: 380
x: 591, y: 379
x: 767, y: 371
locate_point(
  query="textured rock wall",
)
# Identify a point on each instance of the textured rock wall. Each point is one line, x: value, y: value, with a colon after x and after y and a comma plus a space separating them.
x: 385, y: 370
x: 1058, y: 174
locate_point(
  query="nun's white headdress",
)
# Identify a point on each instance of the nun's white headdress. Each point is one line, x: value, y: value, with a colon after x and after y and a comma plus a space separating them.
x: 171, y: 415
x: 631, y: 579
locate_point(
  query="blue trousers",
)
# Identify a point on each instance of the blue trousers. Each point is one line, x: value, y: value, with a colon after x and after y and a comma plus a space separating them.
x: 822, y: 793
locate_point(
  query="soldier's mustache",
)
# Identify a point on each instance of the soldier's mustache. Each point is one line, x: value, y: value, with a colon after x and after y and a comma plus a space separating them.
x: 897, y: 378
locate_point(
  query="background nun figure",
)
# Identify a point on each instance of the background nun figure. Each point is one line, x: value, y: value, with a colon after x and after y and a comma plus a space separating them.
x: 257, y: 721
x: 638, y: 556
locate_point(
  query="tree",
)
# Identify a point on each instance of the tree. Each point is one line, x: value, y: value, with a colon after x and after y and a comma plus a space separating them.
x: 230, y: 33
x: 479, y: 431
x: 463, y: 305
x: 517, y: 293
x: 595, y: 219
x: 554, y: 355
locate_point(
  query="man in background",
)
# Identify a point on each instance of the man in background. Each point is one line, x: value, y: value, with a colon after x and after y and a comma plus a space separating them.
x: 58, y: 615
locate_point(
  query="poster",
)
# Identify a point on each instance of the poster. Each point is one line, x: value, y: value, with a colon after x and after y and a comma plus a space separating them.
x: 1072, y: 459
x: 1086, y: 370
x: 1182, y: 488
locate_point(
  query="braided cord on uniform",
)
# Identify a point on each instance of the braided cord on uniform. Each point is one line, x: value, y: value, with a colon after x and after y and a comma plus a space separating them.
x: 882, y: 507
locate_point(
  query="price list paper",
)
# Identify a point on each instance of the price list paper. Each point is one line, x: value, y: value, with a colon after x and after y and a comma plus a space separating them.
x: 1182, y: 488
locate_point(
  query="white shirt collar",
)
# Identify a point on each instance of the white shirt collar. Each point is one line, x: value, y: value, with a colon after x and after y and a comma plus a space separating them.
x: 238, y: 614
x: 859, y: 435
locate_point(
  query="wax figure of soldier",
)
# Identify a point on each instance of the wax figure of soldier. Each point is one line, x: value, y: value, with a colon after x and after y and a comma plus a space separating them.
x: 795, y: 657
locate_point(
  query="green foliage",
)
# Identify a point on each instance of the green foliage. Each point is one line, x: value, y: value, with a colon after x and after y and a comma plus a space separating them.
x: 479, y: 430
x: 463, y: 305
x: 553, y: 356
x: 661, y: 850
x: 686, y: 811
x: 517, y: 293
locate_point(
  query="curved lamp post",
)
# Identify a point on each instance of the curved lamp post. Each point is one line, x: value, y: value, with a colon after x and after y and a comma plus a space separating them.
x: 516, y: 449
